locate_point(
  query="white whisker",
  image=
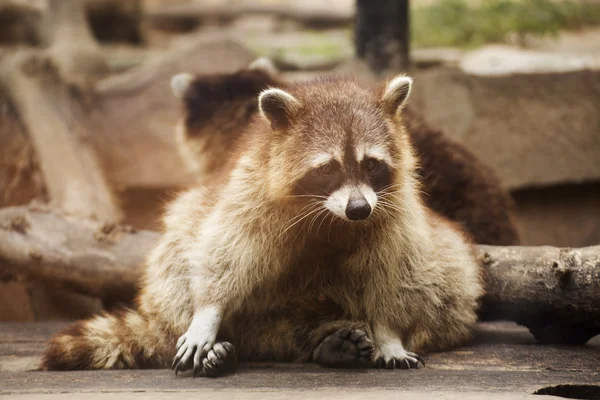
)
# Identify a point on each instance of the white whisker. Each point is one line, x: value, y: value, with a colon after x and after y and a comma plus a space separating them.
x: 301, y: 219
x: 315, y: 218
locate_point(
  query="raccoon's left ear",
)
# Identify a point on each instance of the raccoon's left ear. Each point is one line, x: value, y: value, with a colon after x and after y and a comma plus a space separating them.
x: 396, y: 94
x: 264, y: 65
x: 278, y: 107
x: 180, y: 84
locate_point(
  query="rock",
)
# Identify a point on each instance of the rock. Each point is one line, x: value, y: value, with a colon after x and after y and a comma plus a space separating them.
x: 358, y: 68
x: 535, y: 129
x: 301, y: 50
x: 428, y: 57
x: 135, y: 113
x: 505, y: 60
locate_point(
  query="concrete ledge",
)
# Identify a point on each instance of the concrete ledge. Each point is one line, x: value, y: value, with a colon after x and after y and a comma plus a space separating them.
x: 506, y: 60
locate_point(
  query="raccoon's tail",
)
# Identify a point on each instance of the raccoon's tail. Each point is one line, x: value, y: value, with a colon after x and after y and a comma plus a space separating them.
x: 110, y: 341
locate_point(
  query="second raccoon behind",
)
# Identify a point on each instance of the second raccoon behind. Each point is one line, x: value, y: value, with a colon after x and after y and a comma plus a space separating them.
x: 455, y: 183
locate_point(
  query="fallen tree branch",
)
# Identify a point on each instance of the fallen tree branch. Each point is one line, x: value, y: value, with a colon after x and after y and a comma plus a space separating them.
x: 128, y: 116
x: 72, y: 46
x: 555, y: 292
x: 552, y: 291
x: 57, y: 126
x: 85, y: 256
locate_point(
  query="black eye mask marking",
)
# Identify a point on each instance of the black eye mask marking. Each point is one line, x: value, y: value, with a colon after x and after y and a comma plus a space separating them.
x: 328, y: 178
x: 378, y: 173
x: 321, y: 181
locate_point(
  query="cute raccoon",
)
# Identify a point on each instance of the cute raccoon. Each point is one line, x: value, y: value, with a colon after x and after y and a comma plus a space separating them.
x: 315, y: 245
x: 455, y: 183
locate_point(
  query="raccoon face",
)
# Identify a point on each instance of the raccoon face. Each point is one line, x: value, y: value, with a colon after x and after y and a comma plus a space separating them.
x: 349, y: 189
x: 339, y: 143
x: 348, y: 185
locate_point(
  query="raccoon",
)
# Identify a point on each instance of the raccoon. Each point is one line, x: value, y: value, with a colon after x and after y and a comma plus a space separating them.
x: 455, y: 183
x: 223, y: 105
x: 314, y: 246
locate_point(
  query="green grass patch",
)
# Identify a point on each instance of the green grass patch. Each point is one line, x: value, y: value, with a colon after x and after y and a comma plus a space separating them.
x: 309, y: 44
x: 465, y: 23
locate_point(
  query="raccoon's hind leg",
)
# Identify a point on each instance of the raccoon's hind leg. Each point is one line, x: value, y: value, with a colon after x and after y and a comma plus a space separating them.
x: 220, y: 359
x: 345, y: 348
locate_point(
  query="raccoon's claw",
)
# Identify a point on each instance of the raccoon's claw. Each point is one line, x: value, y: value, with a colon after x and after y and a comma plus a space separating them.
x: 419, y: 358
x: 219, y: 360
x: 408, y: 360
x: 182, y: 361
x: 346, y: 348
x: 192, y: 346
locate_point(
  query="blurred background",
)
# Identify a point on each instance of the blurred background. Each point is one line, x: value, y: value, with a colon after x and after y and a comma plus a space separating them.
x: 516, y: 81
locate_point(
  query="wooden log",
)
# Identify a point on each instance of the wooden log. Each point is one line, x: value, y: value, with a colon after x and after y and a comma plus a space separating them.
x: 552, y: 291
x: 57, y: 125
x: 555, y: 292
x: 128, y: 116
x: 21, y: 180
x: 86, y: 256
x: 71, y: 43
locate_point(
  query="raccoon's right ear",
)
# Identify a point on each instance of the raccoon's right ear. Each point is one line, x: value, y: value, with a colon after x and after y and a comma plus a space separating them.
x: 278, y: 107
x: 180, y: 84
x: 264, y: 65
x: 396, y: 93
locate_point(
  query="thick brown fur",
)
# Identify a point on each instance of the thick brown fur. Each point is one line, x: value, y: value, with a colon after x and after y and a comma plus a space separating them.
x: 406, y: 276
x: 455, y: 183
x: 460, y: 186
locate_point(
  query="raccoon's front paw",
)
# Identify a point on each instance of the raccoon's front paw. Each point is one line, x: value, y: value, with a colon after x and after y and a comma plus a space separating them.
x: 195, y: 344
x: 346, y: 348
x: 219, y: 360
x: 395, y: 357
x: 191, y: 348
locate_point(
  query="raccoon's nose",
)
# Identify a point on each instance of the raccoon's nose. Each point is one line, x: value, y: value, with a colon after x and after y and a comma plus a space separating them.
x: 357, y: 209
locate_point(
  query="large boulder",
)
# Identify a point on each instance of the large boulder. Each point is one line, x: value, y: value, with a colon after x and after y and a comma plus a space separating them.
x: 531, y: 116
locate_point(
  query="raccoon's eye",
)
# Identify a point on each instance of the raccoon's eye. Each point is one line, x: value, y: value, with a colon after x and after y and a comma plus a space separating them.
x: 326, y: 169
x: 371, y: 164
